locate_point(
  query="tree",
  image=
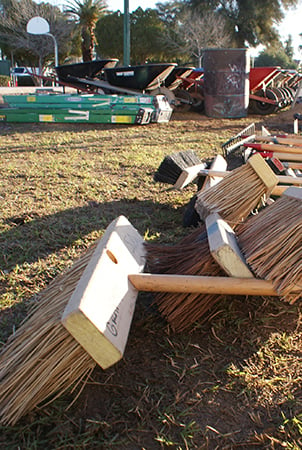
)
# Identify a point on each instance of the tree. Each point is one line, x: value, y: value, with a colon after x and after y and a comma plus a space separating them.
x: 29, y: 49
x: 169, y: 11
x: 146, y: 36
x: 249, y: 22
x: 275, y: 56
x: 288, y: 47
x: 109, y: 36
x: 86, y: 14
x: 192, y: 32
x: 147, y: 31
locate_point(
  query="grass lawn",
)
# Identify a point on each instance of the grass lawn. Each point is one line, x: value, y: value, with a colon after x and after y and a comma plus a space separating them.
x: 233, y: 382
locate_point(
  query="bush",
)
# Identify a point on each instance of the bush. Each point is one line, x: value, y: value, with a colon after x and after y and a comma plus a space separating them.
x: 272, y: 58
x: 4, y: 80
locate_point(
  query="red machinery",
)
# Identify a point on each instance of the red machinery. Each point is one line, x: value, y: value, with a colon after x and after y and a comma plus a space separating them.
x: 270, y: 89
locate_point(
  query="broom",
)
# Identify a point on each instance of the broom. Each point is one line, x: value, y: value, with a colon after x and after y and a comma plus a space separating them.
x: 272, y: 243
x: 237, y: 194
x: 42, y: 359
x: 172, y: 166
x: 233, y: 198
x: 79, y: 314
x: 191, y: 256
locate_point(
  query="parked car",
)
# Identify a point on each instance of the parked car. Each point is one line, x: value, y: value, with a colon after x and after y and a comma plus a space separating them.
x: 22, y: 76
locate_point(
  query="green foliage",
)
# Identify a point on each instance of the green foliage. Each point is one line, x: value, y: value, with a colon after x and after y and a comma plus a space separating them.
x: 191, y: 28
x: 109, y: 36
x: 173, y: 39
x: 288, y: 47
x: 147, y: 30
x: 190, y: 32
x: 275, y: 56
x: 249, y: 21
x: 4, y: 80
x: 170, y: 11
x: 146, y: 34
x: 86, y: 13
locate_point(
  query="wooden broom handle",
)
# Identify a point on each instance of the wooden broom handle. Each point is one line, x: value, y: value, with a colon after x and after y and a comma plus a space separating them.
x: 281, y: 178
x: 202, y: 285
x: 274, y: 148
x: 280, y: 140
x: 279, y: 189
x: 287, y: 156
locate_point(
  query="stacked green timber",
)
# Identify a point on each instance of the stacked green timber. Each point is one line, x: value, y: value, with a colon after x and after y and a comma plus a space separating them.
x: 140, y: 109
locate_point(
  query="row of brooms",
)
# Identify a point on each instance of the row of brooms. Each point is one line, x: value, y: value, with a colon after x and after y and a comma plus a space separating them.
x: 222, y: 207
x: 83, y: 317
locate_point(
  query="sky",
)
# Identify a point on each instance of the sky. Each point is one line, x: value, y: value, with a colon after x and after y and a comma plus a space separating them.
x: 114, y: 5
x: 292, y: 25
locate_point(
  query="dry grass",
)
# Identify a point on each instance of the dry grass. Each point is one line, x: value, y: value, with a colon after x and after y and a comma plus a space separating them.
x: 233, y: 382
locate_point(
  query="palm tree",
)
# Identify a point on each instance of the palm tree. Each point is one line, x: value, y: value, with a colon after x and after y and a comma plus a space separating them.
x: 87, y: 13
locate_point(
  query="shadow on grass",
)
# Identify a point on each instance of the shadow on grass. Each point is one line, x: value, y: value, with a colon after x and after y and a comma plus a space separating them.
x: 31, y: 237
x: 169, y: 388
x: 168, y: 383
x: 173, y: 388
x: 6, y: 129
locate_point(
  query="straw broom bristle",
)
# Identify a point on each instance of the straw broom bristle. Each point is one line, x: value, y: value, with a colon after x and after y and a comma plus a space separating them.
x: 272, y: 245
x: 191, y: 256
x: 42, y: 359
x: 234, y: 197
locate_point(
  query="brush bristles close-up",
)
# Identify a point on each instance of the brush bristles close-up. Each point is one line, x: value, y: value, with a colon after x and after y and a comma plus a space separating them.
x: 41, y: 360
x: 234, y: 197
x: 172, y: 166
x: 272, y: 245
x: 191, y: 256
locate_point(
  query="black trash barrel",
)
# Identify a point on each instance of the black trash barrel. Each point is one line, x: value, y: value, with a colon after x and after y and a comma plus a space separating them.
x: 226, y: 82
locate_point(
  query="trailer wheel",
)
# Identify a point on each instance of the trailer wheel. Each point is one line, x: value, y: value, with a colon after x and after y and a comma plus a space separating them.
x: 263, y: 108
x: 167, y: 93
x: 198, y: 102
x: 184, y: 100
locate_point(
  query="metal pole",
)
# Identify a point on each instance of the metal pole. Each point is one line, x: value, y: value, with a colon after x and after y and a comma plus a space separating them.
x: 126, y: 34
x: 56, y: 48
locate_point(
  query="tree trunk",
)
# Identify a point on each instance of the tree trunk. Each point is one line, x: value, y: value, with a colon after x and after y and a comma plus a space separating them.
x: 87, y: 45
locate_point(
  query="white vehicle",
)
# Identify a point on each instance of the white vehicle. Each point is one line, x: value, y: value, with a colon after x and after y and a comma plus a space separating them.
x: 22, y: 76
x: 25, y: 71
